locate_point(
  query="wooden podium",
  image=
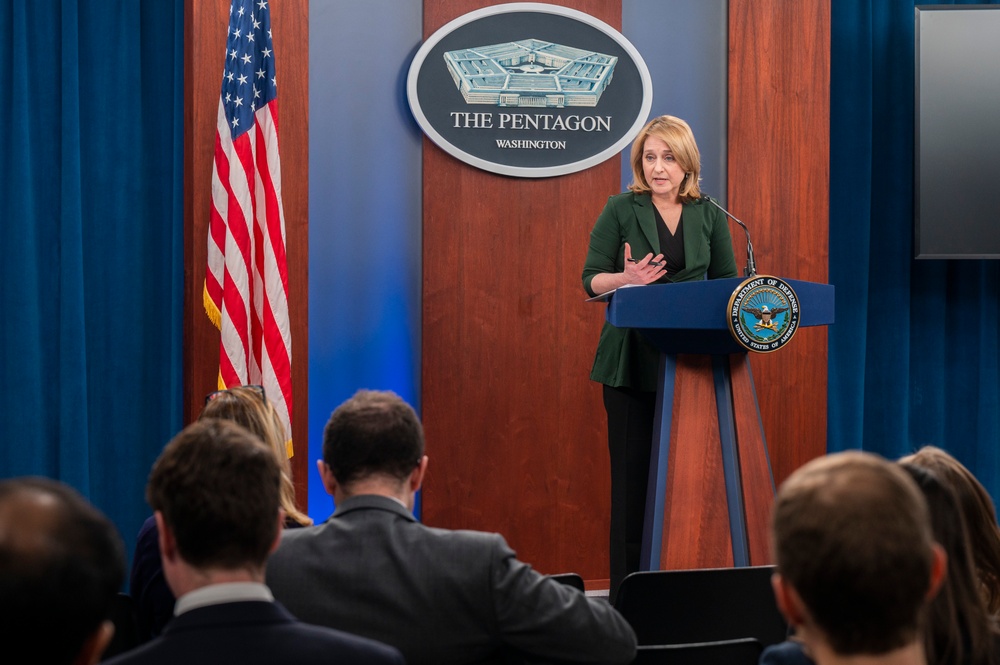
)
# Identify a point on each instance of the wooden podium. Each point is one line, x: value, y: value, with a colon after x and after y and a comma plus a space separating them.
x: 710, y: 483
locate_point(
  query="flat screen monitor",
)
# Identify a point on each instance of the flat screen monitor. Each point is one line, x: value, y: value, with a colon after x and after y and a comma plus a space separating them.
x: 957, y: 123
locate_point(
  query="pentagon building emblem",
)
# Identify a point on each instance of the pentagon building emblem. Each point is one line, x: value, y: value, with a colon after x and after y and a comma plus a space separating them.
x: 525, y: 89
x: 763, y: 314
x: 530, y: 72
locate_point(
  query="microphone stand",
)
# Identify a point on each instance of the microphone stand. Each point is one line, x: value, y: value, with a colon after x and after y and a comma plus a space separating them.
x: 751, y: 269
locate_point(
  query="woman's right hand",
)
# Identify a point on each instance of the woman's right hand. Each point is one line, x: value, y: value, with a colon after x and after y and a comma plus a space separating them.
x: 642, y: 271
x: 645, y: 270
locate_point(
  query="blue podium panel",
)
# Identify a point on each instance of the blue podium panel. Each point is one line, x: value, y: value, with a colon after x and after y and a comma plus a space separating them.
x: 691, y: 317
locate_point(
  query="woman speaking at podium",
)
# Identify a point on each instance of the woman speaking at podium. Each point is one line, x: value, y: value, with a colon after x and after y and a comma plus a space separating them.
x: 659, y: 231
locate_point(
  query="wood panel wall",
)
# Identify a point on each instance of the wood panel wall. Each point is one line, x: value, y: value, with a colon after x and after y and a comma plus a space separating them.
x: 779, y: 183
x: 516, y: 433
x: 206, y: 22
x: 515, y: 430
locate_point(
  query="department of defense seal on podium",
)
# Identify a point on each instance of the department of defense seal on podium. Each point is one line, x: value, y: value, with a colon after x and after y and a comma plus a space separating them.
x: 763, y: 313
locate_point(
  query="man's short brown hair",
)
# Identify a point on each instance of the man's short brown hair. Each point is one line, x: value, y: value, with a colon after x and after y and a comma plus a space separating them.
x: 218, y: 487
x: 373, y: 433
x: 852, y: 536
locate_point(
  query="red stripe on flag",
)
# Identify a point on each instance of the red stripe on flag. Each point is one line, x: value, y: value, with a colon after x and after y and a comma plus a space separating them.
x: 227, y: 373
x: 274, y: 341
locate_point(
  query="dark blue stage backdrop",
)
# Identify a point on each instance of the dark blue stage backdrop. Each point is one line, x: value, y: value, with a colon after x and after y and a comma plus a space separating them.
x: 913, y: 355
x: 91, y: 276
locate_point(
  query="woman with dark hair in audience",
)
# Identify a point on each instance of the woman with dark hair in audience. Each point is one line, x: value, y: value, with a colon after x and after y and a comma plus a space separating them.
x: 980, y: 517
x: 247, y: 406
x: 960, y: 630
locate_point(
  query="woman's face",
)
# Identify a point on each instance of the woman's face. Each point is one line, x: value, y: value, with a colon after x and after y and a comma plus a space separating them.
x: 663, y: 174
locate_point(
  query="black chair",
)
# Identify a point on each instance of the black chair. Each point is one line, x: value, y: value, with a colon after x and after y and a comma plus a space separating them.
x: 569, y: 579
x: 705, y: 605
x: 726, y: 652
x: 123, y: 616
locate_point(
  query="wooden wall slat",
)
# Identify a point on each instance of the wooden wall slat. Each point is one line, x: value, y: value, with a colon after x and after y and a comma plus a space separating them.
x: 516, y: 432
x: 206, y: 22
x: 779, y: 157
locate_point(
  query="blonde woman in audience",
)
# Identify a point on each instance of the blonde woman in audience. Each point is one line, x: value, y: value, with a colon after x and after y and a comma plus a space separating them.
x: 980, y: 517
x: 248, y: 406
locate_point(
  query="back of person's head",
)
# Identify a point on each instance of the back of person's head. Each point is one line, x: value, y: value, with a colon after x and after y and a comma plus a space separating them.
x: 959, y: 630
x: 217, y: 487
x: 249, y: 407
x: 980, y: 517
x: 373, y: 433
x: 852, y: 537
x: 61, y: 564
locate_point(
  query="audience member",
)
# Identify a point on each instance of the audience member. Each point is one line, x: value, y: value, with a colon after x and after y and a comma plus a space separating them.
x: 856, y: 560
x: 216, y: 492
x: 440, y: 596
x: 61, y: 565
x: 249, y: 407
x: 980, y: 517
x: 959, y: 629
x: 153, y: 599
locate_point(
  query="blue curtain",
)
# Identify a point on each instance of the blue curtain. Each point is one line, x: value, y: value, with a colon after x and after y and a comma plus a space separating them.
x: 913, y: 355
x: 91, y: 238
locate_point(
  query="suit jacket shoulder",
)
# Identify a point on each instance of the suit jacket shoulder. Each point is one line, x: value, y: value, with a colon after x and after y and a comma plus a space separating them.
x: 254, y: 632
x: 374, y: 570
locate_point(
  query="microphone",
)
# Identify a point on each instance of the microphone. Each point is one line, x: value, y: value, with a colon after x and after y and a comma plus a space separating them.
x: 751, y: 269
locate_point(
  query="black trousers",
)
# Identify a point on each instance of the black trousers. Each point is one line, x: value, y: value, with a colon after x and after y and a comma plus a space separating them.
x: 630, y: 440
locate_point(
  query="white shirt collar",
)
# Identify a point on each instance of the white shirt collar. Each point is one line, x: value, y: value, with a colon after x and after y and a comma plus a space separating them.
x: 216, y: 594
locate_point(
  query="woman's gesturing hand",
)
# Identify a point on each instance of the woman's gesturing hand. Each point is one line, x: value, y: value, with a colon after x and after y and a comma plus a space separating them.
x: 645, y: 270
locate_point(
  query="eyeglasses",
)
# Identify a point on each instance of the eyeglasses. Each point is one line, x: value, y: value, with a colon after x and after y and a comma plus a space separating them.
x: 259, y: 389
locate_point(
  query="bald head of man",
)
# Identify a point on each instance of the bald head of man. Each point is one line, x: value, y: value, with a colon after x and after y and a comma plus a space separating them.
x: 61, y: 564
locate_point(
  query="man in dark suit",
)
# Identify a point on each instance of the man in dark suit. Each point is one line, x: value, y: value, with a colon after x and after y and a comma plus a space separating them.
x: 215, y: 495
x: 442, y: 597
x: 61, y: 565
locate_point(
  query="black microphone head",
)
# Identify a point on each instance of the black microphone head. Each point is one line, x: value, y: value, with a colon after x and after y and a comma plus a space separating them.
x: 706, y: 197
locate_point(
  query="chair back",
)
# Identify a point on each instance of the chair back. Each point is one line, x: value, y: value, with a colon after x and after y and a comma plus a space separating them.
x: 569, y: 579
x: 726, y: 652
x: 704, y: 605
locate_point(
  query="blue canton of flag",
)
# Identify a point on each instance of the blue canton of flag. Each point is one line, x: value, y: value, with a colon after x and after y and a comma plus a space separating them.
x: 248, y: 81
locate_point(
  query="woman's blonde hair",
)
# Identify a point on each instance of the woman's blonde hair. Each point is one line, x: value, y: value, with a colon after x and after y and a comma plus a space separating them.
x: 680, y: 139
x: 250, y: 408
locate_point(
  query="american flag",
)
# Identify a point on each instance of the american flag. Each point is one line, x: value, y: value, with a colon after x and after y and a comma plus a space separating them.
x: 246, y: 284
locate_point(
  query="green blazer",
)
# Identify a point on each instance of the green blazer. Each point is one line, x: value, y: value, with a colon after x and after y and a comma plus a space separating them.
x: 624, y: 358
